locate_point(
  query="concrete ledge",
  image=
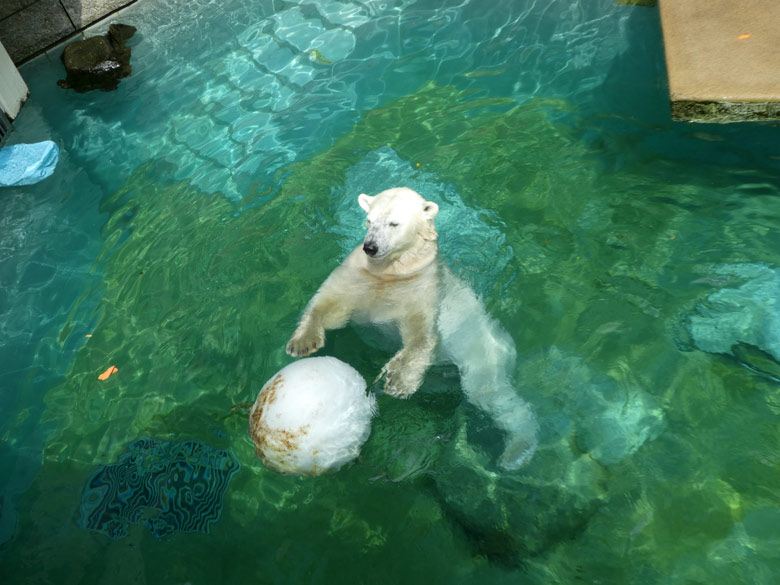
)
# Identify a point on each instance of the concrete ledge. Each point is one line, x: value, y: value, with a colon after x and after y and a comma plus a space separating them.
x: 724, y: 112
x: 30, y: 27
x: 722, y: 59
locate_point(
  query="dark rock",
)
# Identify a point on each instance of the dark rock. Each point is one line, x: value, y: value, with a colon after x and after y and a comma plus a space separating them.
x: 510, y: 518
x: 98, y: 62
x: 119, y: 34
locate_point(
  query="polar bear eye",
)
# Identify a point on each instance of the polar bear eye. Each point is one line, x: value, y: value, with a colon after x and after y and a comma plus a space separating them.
x: 393, y: 224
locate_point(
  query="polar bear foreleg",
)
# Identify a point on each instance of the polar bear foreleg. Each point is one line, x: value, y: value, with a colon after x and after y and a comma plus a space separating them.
x: 405, y: 371
x: 326, y: 310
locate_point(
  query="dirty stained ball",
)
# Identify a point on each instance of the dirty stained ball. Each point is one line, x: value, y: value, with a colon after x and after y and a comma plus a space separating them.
x: 312, y: 417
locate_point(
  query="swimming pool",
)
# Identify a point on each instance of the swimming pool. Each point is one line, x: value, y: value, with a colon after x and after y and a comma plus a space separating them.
x: 194, y: 211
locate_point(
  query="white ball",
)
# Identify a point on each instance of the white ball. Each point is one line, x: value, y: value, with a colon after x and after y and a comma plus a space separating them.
x: 311, y: 417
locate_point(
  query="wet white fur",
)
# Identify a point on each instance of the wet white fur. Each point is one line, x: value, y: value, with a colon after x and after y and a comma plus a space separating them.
x: 399, y: 285
x: 404, y: 284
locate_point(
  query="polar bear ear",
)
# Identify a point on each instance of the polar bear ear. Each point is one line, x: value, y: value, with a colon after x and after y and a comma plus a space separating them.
x: 365, y: 201
x: 430, y: 209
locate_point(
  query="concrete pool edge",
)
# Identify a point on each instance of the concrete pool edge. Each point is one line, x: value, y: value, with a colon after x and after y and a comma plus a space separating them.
x: 721, y: 60
x: 40, y: 25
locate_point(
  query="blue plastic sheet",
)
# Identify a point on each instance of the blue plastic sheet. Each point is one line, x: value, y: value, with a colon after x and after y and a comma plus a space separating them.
x: 25, y: 164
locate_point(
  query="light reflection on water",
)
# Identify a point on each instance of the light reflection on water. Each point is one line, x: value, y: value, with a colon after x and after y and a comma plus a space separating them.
x: 196, y: 209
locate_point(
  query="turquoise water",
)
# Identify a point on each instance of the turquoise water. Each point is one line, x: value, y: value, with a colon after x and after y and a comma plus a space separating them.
x: 634, y: 261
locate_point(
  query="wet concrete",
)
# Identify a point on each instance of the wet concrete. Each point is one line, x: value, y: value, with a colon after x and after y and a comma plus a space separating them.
x: 722, y: 59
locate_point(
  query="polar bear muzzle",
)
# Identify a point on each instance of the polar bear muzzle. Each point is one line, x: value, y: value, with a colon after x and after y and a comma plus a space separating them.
x: 370, y: 248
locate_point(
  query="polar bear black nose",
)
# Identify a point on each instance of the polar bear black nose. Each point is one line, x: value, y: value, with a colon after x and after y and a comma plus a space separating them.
x: 370, y: 248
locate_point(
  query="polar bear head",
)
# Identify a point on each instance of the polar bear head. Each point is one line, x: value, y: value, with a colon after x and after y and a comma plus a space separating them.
x: 397, y: 219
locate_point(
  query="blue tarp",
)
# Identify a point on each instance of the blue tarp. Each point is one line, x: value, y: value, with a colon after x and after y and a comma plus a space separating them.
x: 25, y: 164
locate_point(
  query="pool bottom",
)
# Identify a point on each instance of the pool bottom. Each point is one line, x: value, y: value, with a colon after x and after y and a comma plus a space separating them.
x: 597, y: 272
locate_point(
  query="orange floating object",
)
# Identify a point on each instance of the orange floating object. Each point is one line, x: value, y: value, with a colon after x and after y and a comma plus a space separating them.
x: 742, y: 37
x: 108, y: 373
x: 88, y: 335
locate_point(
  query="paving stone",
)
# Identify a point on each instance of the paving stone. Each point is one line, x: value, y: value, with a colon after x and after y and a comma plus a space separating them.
x: 29, y: 26
x: 85, y: 12
x: 9, y: 7
x: 34, y: 28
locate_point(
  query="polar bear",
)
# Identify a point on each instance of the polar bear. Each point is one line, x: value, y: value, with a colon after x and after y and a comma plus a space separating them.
x: 394, y: 277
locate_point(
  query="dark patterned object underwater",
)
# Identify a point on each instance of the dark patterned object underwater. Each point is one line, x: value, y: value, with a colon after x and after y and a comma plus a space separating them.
x: 167, y: 487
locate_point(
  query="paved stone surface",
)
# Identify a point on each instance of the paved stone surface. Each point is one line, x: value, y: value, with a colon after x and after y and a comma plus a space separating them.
x: 9, y: 7
x: 85, y: 12
x: 34, y: 28
x: 28, y: 27
x: 722, y: 59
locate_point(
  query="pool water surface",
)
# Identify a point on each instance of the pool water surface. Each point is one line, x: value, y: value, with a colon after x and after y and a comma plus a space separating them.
x: 634, y: 262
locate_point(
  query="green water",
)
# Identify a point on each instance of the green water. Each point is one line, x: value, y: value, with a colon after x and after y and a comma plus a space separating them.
x: 592, y: 227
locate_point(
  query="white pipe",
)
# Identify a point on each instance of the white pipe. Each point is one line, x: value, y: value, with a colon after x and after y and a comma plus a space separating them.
x: 13, y: 89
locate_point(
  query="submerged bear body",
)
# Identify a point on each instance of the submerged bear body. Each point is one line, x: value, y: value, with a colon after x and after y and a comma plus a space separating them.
x: 395, y: 278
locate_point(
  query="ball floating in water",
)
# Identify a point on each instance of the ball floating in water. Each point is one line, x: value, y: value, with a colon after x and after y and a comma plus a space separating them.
x: 311, y: 417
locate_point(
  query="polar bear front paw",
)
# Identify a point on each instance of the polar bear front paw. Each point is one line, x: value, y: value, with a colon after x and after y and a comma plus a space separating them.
x: 401, y: 380
x: 518, y: 451
x: 305, y: 341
